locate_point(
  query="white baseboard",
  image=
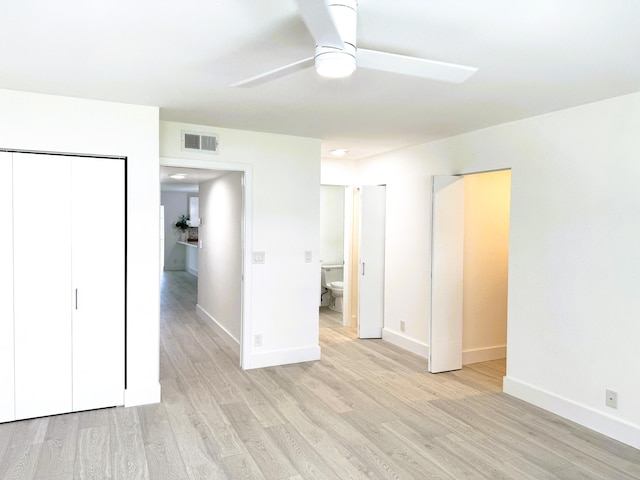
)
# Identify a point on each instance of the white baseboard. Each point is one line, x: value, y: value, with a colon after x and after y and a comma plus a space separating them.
x: 222, y: 332
x: 136, y: 396
x: 281, y: 357
x: 193, y: 271
x: 601, y: 422
x: 405, y: 342
x: 484, y: 354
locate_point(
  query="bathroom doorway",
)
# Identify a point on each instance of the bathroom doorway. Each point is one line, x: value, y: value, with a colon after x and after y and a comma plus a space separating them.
x: 335, y: 296
x: 478, y: 290
x: 211, y: 249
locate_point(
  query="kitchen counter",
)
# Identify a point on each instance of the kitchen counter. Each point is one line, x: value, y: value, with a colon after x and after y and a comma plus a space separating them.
x: 190, y: 244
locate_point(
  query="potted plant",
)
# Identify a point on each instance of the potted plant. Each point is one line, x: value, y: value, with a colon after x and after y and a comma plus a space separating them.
x: 182, y: 224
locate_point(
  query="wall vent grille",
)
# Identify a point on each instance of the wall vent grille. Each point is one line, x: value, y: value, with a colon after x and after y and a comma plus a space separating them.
x: 200, y: 142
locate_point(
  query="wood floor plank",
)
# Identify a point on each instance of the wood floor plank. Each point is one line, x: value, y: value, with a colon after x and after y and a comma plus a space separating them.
x: 301, y: 455
x: 242, y: 467
x: 195, y: 456
x: 20, y: 462
x: 126, y: 438
x: 325, y: 443
x: 93, y: 457
x: 161, y: 451
x: 403, y: 454
x: 29, y: 432
x: 266, y: 454
x: 58, y: 452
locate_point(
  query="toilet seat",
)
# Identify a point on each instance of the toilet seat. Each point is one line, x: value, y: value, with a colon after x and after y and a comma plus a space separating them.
x: 337, y: 285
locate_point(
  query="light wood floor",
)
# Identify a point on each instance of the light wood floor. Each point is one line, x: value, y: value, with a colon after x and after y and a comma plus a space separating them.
x: 366, y: 410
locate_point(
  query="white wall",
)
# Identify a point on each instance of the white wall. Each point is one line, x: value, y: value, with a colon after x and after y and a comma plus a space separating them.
x: 486, y: 263
x: 175, y: 204
x: 220, y: 258
x: 283, y: 175
x: 332, y: 224
x: 573, y: 260
x: 60, y: 124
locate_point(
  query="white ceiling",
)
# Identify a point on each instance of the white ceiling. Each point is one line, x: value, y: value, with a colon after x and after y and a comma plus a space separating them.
x: 534, y: 56
x: 193, y: 177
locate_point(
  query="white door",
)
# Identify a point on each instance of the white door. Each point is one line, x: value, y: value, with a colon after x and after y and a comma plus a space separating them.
x: 7, y: 407
x: 43, y: 298
x: 98, y: 272
x: 68, y: 283
x: 447, y: 242
x: 371, y: 275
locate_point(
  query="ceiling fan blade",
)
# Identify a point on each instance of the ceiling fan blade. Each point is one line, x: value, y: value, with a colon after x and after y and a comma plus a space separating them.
x: 274, y: 74
x: 413, y: 66
x: 319, y: 22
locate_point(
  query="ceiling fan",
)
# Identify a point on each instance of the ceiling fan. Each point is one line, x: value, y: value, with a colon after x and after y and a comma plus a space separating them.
x: 332, y: 24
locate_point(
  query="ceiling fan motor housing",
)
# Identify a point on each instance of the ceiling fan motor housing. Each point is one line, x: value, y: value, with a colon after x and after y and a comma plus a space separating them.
x: 335, y: 62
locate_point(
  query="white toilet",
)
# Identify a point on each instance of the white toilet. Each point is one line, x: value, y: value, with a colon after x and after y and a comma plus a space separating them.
x: 336, y: 295
x: 332, y: 281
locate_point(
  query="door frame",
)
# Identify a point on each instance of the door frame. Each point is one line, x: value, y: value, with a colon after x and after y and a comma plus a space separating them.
x: 247, y: 201
x: 347, y: 225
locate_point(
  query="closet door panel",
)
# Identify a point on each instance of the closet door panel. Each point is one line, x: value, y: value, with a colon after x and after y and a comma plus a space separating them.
x: 7, y: 407
x: 98, y: 275
x: 42, y: 284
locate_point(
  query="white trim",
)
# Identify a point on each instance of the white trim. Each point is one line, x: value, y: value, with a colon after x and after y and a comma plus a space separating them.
x: 222, y: 332
x: 142, y: 396
x: 192, y: 271
x: 246, y: 321
x: 405, y: 342
x: 601, y: 422
x: 283, y: 357
x: 484, y: 354
x: 347, y: 300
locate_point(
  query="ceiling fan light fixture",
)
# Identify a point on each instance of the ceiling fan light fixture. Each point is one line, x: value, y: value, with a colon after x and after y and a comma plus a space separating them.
x: 337, y: 64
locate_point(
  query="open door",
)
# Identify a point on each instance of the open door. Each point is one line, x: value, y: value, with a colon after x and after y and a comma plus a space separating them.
x: 447, y: 242
x: 371, y: 274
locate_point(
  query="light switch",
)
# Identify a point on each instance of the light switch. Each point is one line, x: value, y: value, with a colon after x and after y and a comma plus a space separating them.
x: 308, y: 256
x: 258, y: 257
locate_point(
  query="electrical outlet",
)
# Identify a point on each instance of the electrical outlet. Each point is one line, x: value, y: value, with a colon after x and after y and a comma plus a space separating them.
x: 612, y: 399
x: 257, y: 340
x: 402, y: 325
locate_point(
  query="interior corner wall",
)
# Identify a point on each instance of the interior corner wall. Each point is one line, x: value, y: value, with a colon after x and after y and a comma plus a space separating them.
x: 30, y: 121
x: 282, y: 304
x: 220, y: 257
x: 573, y: 256
x: 486, y: 263
x: 175, y: 204
x: 332, y: 224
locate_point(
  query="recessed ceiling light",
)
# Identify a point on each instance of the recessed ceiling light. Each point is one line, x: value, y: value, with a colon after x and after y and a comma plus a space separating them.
x: 338, y: 152
x: 178, y: 176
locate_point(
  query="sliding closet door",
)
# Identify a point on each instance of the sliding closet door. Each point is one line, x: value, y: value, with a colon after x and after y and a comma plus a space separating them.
x: 7, y: 408
x: 98, y: 272
x: 42, y: 284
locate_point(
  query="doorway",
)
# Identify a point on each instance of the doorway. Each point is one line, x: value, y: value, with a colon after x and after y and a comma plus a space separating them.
x: 212, y: 248
x: 335, y: 249
x: 469, y: 304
